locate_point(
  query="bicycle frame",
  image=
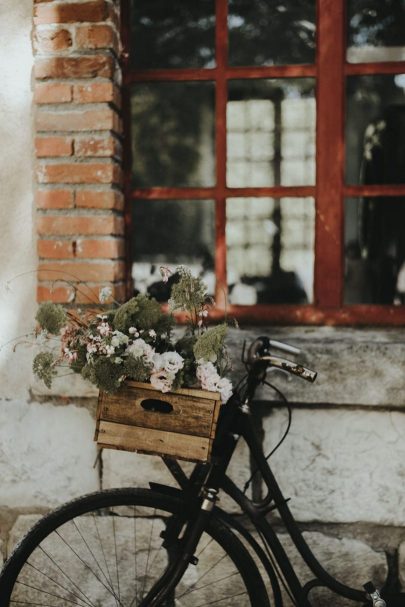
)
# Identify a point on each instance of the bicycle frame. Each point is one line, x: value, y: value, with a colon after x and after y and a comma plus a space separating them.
x: 206, y: 478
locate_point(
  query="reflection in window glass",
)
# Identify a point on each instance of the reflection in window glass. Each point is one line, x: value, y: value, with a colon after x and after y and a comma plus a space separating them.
x: 270, y: 254
x: 171, y: 233
x: 172, y: 128
x: 375, y: 251
x: 376, y: 30
x: 375, y: 129
x: 270, y: 33
x: 271, y: 132
x: 173, y: 34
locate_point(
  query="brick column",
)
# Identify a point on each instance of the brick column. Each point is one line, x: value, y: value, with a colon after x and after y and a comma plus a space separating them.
x: 78, y: 150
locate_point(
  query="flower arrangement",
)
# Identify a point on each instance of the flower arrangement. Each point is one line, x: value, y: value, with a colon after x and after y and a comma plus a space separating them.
x: 135, y: 341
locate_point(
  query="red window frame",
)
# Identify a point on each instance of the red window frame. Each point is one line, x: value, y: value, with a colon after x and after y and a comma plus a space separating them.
x: 330, y: 71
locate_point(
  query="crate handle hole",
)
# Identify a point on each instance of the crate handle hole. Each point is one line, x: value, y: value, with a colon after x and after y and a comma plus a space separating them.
x: 156, y: 406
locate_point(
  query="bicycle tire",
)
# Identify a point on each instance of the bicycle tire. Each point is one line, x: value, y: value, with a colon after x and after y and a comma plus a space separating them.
x: 72, y: 581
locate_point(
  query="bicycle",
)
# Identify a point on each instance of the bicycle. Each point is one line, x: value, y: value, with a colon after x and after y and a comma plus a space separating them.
x: 168, y: 546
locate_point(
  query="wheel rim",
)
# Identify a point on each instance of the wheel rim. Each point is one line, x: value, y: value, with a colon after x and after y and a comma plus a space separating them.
x: 111, y: 557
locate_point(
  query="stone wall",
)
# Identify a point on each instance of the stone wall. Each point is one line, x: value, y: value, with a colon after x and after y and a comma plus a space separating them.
x: 343, y: 462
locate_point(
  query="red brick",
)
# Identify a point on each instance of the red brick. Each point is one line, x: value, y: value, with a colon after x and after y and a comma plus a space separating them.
x: 103, y: 249
x: 77, y: 120
x: 53, y: 146
x: 74, y: 67
x: 96, y: 36
x: 54, y: 199
x: 56, y: 249
x: 97, y: 92
x: 62, y: 225
x: 81, y: 271
x: 89, y: 293
x: 52, y: 92
x: 79, y: 173
x: 71, y: 13
x: 52, y: 40
x: 99, y: 199
x: 55, y: 294
x: 97, y: 146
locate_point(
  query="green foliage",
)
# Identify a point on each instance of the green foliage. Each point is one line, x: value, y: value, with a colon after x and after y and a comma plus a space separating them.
x: 51, y: 317
x: 210, y: 345
x: 81, y: 360
x: 189, y: 293
x: 137, y: 368
x: 144, y: 313
x: 44, y: 367
x: 104, y: 373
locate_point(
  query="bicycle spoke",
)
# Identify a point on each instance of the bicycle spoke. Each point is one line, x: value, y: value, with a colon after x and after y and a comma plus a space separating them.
x: 225, y: 598
x: 91, y: 553
x: 56, y: 596
x: 226, y: 577
x: 149, y: 549
x: 87, y: 566
x: 206, y: 572
x: 86, y: 602
x: 103, y: 553
x: 116, y: 560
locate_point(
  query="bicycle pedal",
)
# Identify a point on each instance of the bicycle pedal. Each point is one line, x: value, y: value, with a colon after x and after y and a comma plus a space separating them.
x: 374, y: 594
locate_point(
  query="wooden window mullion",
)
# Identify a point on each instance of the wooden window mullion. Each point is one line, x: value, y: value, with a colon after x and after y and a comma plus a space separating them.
x: 330, y: 153
x: 221, y: 93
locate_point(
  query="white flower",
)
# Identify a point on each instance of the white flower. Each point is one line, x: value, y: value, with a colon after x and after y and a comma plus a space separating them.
x: 119, y: 338
x: 118, y: 360
x: 171, y: 362
x: 152, y: 333
x: 140, y: 348
x: 109, y: 350
x: 165, y: 272
x: 162, y: 380
x: 133, y: 331
x: 224, y: 387
x: 104, y: 294
x: 211, y: 381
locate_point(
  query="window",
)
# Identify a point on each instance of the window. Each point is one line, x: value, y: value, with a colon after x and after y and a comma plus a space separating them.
x: 267, y: 151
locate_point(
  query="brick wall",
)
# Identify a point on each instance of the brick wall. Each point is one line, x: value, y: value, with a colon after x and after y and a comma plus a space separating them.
x: 78, y: 148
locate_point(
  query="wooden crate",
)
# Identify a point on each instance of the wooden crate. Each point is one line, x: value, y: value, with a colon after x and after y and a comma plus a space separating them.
x: 179, y: 424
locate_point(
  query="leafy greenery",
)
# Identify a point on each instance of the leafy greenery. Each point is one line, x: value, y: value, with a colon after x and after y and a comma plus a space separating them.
x: 51, y: 317
x: 44, y: 367
x: 104, y: 373
x: 210, y: 345
x: 144, y: 313
x: 137, y: 368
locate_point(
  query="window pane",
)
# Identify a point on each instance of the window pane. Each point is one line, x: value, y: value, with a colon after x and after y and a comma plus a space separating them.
x: 271, y: 132
x: 172, y: 34
x: 375, y: 250
x: 173, y: 134
x: 171, y: 233
x: 375, y: 129
x: 270, y: 250
x: 269, y: 33
x: 376, y: 30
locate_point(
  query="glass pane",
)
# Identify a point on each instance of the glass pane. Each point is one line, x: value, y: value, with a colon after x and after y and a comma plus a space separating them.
x: 173, y: 34
x: 173, y: 141
x: 270, y: 250
x: 271, y: 132
x: 270, y: 33
x: 375, y: 129
x: 376, y: 30
x: 375, y: 251
x: 171, y: 233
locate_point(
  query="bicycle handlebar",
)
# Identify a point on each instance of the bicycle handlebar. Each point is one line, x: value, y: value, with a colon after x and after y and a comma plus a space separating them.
x: 259, y: 351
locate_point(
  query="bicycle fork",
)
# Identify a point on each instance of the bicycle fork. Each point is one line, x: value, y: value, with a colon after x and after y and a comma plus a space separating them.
x: 185, y: 556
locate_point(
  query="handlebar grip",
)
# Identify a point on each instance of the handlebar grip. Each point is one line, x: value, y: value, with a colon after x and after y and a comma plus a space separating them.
x: 291, y: 367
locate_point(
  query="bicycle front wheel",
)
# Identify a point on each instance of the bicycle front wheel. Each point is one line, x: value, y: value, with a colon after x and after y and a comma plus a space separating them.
x: 106, y: 550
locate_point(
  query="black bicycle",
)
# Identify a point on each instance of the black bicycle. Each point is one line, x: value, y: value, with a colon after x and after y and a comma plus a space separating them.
x: 175, y: 547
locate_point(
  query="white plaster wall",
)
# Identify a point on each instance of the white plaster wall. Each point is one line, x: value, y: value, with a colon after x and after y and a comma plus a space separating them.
x: 46, y: 451
x: 17, y: 246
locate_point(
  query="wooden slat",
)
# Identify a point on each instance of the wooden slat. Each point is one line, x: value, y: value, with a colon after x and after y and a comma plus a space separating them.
x: 132, y: 438
x: 194, y: 392
x: 189, y: 415
x: 160, y: 193
x: 375, y: 190
x: 376, y: 67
